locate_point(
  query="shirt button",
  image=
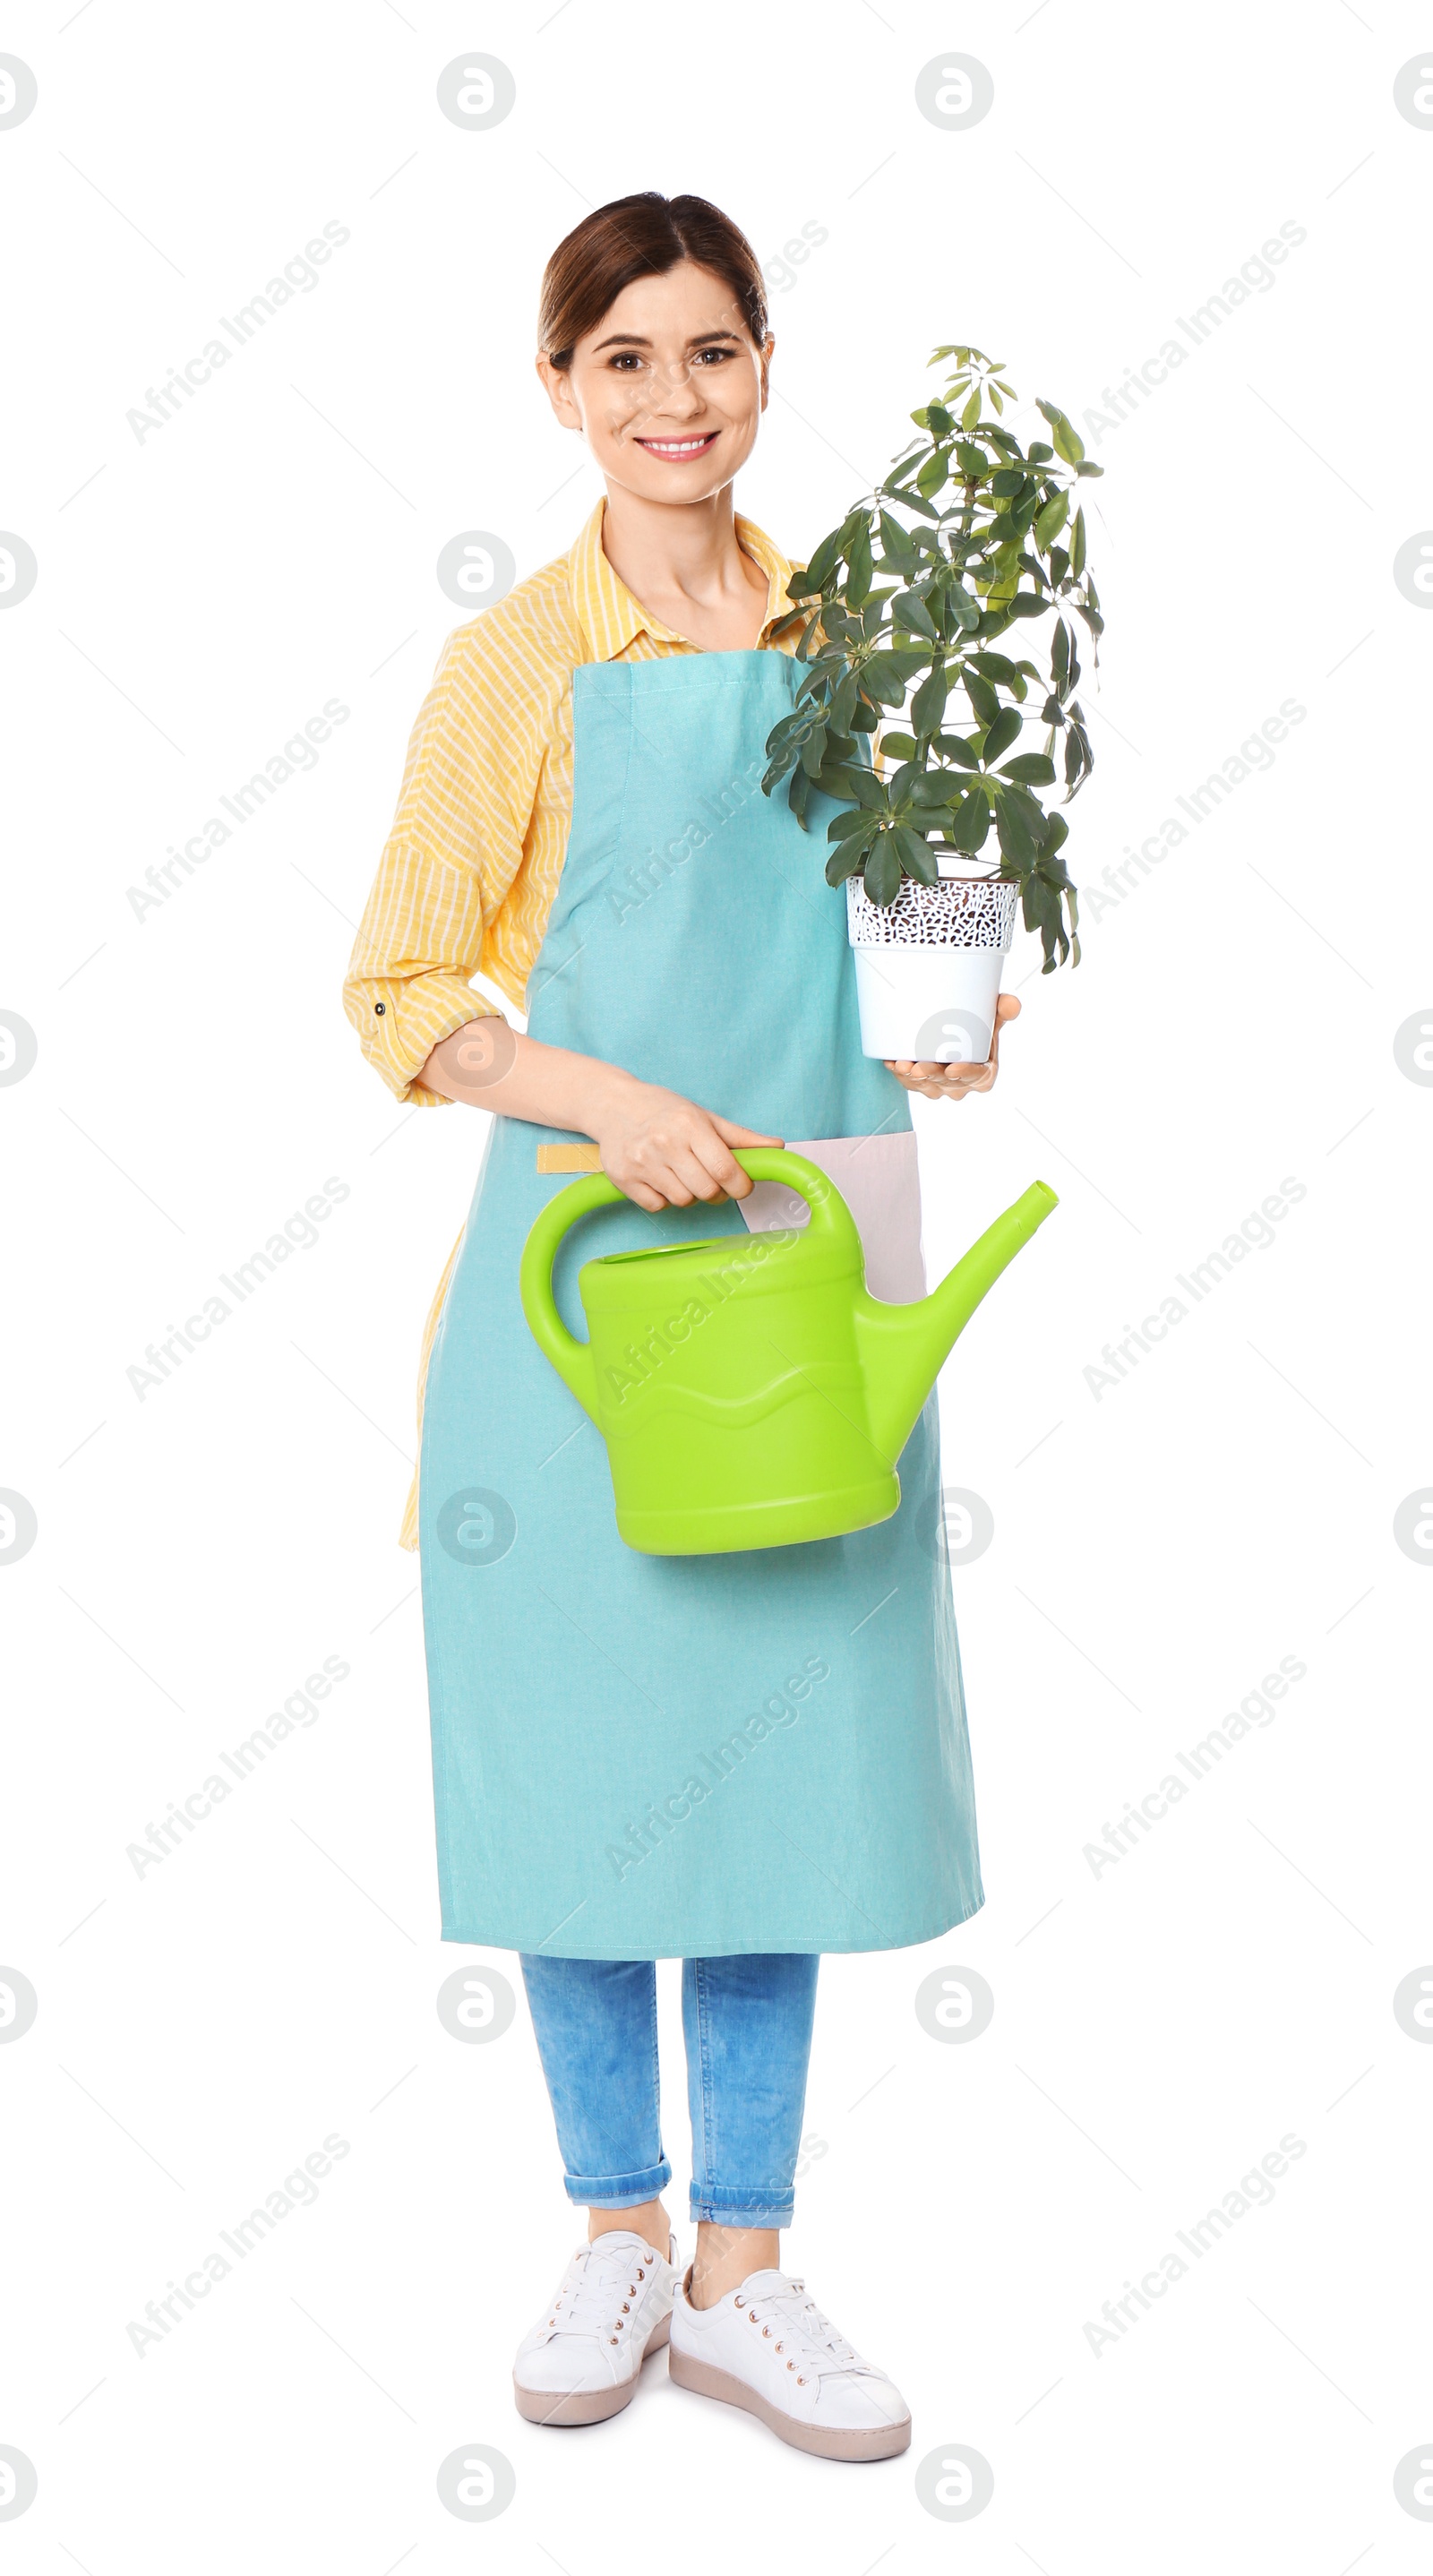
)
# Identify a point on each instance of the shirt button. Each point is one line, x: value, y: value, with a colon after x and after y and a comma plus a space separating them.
x: 379, y: 1009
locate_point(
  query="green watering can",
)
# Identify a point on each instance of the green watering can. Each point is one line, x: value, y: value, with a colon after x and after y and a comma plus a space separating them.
x: 751, y: 1391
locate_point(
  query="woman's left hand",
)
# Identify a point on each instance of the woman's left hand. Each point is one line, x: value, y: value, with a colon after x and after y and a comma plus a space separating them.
x: 956, y: 1081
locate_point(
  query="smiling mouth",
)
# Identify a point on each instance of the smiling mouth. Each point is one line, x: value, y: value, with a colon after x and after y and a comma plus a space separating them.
x: 679, y: 451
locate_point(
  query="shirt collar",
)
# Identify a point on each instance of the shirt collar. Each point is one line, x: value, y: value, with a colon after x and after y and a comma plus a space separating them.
x: 611, y: 619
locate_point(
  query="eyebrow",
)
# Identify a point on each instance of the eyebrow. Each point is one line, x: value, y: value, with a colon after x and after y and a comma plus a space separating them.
x: 634, y: 340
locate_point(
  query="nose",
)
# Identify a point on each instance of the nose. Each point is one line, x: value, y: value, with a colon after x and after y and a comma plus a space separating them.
x: 673, y: 393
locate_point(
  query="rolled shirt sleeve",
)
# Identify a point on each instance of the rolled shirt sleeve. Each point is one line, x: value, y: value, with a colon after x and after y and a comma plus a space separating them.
x: 420, y: 939
x: 454, y: 850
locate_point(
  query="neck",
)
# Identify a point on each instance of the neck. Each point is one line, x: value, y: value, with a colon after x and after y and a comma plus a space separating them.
x: 688, y: 551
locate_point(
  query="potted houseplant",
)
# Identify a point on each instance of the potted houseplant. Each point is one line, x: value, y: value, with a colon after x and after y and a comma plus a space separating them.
x: 918, y: 612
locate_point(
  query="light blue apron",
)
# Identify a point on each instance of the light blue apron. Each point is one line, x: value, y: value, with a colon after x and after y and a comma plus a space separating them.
x: 642, y: 1757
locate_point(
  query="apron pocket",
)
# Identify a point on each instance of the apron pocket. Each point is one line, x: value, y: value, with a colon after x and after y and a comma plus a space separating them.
x: 879, y: 1180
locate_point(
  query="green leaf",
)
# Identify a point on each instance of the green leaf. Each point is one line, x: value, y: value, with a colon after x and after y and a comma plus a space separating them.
x: 798, y: 796
x: 1004, y: 731
x: 1086, y: 468
x: 1008, y: 481
x: 883, y: 871
x: 964, y: 608
x: 1029, y: 805
x: 1027, y: 603
x: 858, y: 576
x: 887, y: 676
x: 862, y: 786
x: 1039, y: 903
x: 972, y: 460
x: 971, y: 413
x: 813, y: 751
x: 1038, y: 452
x: 1068, y: 443
x: 933, y: 473
x: 1017, y: 841
x: 909, y: 610
x: 882, y: 682
x: 934, y: 787
x: 981, y: 695
x: 940, y: 420
x: 852, y: 821
x: 928, y: 704
x: 952, y: 746
x: 915, y: 855
x: 898, y: 746
x: 1051, y: 520
x: 824, y: 561
x: 895, y: 541
x: 972, y: 822
x: 1032, y: 769
x: 843, y: 701
x: 1077, y: 545
x: 844, y: 862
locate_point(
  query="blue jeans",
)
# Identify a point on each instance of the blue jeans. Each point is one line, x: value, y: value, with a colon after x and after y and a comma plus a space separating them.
x: 746, y: 2021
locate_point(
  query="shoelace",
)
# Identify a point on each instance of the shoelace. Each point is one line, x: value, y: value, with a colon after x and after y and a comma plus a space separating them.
x: 803, y: 2334
x: 600, y: 2290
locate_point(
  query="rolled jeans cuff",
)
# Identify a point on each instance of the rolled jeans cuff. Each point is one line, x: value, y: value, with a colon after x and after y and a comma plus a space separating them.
x: 618, y: 2191
x: 721, y: 2204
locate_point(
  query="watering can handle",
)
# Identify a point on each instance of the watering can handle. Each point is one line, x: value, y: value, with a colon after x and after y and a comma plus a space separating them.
x: 573, y: 1359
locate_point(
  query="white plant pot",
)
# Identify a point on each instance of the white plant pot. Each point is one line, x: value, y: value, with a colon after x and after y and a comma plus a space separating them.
x: 928, y: 966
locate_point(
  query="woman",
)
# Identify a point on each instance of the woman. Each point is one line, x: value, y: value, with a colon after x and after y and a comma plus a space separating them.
x: 738, y: 1760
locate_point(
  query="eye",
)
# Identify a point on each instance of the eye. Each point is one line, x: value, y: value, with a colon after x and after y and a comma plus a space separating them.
x: 717, y: 357
x: 626, y: 361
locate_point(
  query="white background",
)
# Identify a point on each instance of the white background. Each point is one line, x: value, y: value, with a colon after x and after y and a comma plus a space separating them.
x: 1158, y: 1548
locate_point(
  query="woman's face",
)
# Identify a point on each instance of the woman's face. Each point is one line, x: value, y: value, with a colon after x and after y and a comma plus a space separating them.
x: 669, y: 388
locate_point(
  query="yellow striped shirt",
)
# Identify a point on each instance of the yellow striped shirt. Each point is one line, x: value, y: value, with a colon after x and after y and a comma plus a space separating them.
x: 469, y: 871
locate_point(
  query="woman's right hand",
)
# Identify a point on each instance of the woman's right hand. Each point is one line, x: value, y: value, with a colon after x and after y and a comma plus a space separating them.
x: 660, y: 1149
x: 664, y: 1151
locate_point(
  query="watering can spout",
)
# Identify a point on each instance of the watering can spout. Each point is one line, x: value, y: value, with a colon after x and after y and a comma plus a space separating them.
x: 907, y: 1345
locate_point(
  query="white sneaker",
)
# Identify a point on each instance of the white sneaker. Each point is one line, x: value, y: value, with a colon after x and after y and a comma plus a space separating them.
x: 768, y: 2347
x: 613, y: 2306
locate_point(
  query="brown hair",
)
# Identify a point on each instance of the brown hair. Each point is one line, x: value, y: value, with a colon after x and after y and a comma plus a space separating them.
x: 641, y: 236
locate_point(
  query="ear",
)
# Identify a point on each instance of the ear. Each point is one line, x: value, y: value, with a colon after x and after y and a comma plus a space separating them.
x: 767, y: 348
x: 558, y: 382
